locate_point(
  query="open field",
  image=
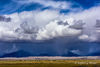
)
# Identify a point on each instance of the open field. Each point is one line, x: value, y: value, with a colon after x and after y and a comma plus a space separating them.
x: 44, y: 62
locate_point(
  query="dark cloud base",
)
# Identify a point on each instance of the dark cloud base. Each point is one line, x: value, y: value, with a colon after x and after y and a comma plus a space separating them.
x: 48, y: 48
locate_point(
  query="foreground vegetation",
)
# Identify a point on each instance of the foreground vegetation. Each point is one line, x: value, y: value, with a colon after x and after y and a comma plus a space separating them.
x: 49, y: 63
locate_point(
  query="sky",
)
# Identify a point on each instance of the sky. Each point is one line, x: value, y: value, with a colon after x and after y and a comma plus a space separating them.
x: 50, y: 27
x: 12, y: 6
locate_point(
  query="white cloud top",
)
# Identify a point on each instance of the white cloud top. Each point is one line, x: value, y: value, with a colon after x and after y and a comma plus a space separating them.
x: 48, y: 24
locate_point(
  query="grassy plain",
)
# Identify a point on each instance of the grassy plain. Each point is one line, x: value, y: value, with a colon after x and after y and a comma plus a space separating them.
x: 49, y: 63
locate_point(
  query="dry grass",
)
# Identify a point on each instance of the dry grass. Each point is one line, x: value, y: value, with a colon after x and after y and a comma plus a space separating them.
x: 49, y: 63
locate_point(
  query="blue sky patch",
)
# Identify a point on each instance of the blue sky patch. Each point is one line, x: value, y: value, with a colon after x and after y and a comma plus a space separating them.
x: 9, y: 6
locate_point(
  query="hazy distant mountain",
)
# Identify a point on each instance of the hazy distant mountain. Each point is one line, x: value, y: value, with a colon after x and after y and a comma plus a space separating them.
x: 94, y: 54
x: 20, y: 53
x: 70, y: 54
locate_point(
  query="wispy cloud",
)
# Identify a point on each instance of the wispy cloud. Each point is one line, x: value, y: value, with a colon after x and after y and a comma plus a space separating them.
x: 47, y: 3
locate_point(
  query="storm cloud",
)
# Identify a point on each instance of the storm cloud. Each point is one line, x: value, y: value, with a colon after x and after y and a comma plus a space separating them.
x: 50, y: 32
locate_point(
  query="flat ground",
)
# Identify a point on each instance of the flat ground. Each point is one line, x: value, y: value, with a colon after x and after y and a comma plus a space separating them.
x: 38, y: 62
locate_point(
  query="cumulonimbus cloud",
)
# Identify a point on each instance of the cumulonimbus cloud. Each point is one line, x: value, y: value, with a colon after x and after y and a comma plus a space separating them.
x: 72, y: 32
x: 48, y: 24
